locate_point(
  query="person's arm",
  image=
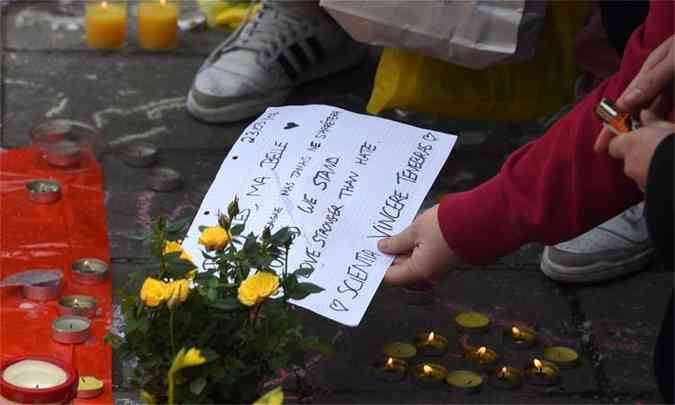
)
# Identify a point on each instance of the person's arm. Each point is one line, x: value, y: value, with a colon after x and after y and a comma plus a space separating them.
x: 556, y: 187
x: 659, y: 200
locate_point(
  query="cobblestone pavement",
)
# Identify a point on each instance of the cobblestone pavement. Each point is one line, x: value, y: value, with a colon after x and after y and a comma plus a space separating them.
x: 47, y: 72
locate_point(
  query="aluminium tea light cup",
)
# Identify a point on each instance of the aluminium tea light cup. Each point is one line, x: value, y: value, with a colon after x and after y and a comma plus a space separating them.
x: 37, y: 380
x: 80, y: 305
x: 563, y: 357
x: 472, y: 322
x: 429, y: 375
x: 391, y: 369
x: 90, y: 271
x: 518, y: 337
x: 89, y: 387
x: 399, y: 350
x: 464, y: 381
x: 71, y: 329
x: 482, y: 357
x: 43, y: 191
x: 42, y: 292
x: 64, y: 154
x: 539, y: 372
x: 142, y: 154
x: 163, y: 179
x: 431, y: 344
x: 505, y: 378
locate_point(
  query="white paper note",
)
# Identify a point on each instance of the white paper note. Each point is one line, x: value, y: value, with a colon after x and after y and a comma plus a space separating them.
x: 345, y: 180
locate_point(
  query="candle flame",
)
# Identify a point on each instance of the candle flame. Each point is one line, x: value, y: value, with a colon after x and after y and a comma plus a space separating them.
x: 515, y: 331
x: 390, y: 362
x: 162, y: 2
x: 427, y: 369
x: 431, y: 337
x: 104, y: 6
x: 481, y: 350
x: 502, y: 372
x: 538, y: 364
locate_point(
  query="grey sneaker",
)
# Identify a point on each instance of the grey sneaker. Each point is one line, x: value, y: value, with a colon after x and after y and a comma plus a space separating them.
x: 259, y: 64
x: 618, y: 247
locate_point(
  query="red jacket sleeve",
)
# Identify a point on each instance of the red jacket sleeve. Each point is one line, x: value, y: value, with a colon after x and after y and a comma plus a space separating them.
x: 556, y: 187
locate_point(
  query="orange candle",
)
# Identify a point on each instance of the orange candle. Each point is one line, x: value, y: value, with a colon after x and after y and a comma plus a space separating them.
x: 105, y: 25
x: 157, y: 25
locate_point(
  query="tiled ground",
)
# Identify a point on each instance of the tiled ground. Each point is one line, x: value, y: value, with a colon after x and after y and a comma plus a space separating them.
x: 131, y: 94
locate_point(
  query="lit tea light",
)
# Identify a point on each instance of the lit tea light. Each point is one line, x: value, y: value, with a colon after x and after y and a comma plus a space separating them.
x: 142, y: 154
x: 90, y: 271
x: 391, y: 370
x: 464, y: 381
x: 157, y: 24
x: 80, y: 305
x: 430, y: 374
x: 89, y: 387
x: 472, y: 322
x: 105, y: 24
x: 431, y: 344
x: 71, y: 329
x: 43, y: 191
x: 564, y: 357
x: 519, y: 338
x: 506, y: 377
x: 399, y: 350
x: 482, y: 356
x: 64, y: 154
x: 542, y: 373
x: 164, y: 179
x: 37, y: 380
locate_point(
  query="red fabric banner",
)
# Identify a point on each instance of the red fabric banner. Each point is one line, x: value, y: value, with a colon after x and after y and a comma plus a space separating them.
x: 39, y: 236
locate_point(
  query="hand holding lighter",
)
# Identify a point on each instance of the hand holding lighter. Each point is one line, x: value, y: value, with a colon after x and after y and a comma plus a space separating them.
x: 617, y: 121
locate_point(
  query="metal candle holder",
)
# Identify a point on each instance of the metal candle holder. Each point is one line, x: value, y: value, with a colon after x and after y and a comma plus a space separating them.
x: 90, y: 271
x: 43, y: 191
x: 71, y: 329
x: 80, y: 305
x: 142, y: 154
x: 164, y: 179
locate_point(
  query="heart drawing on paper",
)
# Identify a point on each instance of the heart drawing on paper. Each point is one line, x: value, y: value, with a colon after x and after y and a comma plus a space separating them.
x: 336, y: 305
x: 291, y: 125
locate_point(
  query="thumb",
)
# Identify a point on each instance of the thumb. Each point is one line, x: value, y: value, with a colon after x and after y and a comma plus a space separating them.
x: 404, y: 242
x: 618, y: 145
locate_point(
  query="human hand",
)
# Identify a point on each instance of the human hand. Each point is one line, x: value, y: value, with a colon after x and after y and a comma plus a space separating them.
x: 636, y: 148
x: 422, y: 255
x: 646, y: 89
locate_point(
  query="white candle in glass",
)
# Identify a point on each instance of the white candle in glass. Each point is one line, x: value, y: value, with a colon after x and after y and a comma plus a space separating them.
x: 34, y: 374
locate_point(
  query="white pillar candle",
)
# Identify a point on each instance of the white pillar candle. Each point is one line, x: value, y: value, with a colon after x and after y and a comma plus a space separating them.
x: 34, y: 374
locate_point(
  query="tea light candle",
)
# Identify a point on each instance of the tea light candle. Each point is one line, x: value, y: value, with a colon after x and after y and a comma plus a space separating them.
x: 89, y: 387
x: 64, y: 154
x: 43, y: 291
x: 399, y: 350
x: 465, y: 381
x: 391, y: 370
x: 519, y: 338
x: 157, y: 25
x: 37, y: 380
x: 90, y: 271
x: 164, y: 179
x: 105, y: 24
x: 542, y: 373
x: 142, y: 154
x: 429, y: 374
x: 481, y: 356
x: 80, y: 305
x: 431, y: 344
x: 472, y: 322
x: 43, y: 191
x: 564, y: 357
x: 71, y: 329
x: 506, y: 377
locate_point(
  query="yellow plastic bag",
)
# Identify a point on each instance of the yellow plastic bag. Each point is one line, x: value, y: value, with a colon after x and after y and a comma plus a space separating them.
x: 228, y: 15
x: 510, y: 92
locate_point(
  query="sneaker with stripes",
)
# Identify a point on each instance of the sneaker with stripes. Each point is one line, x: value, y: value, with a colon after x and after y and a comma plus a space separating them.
x: 259, y: 64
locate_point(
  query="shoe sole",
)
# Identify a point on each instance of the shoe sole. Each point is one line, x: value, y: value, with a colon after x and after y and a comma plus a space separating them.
x: 247, y: 109
x: 597, y: 272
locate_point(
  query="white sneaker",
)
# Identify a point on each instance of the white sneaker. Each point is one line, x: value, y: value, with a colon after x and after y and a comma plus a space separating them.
x: 259, y: 64
x: 616, y: 248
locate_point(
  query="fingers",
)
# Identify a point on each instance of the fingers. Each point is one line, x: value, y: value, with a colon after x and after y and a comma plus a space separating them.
x: 402, y: 272
x: 648, y: 84
x: 602, y: 143
x: 404, y: 242
x: 619, y: 145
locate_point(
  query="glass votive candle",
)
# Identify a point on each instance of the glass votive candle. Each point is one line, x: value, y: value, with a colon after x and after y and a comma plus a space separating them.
x: 65, y: 143
x: 158, y: 24
x: 506, y: 377
x: 464, y: 381
x: 142, y: 154
x: 429, y: 375
x: 391, y: 369
x: 539, y: 372
x: 482, y: 357
x: 431, y: 344
x: 105, y: 23
x: 518, y: 337
x: 64, y: 154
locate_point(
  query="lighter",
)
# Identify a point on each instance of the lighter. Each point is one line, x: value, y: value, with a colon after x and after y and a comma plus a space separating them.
x: 615, y: 120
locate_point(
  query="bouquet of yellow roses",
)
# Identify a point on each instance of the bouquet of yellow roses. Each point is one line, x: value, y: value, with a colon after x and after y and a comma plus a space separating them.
x: 213, y: 335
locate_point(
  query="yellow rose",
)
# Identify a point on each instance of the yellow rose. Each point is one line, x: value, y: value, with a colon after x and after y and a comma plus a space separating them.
x: 190, y: 358
x: 274, y: 397
x: 257, y: 288
x: 214, y: 238
x: 173, y: 247
x: 178, y: 291
x: 154, y: 292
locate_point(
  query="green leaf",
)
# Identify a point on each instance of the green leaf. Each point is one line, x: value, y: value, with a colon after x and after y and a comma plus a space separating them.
x: 137, y: 324
x: 237, y: 229
x: 202, y: 228
x: 281, y: 237
x: 212, y: 294
x: 227, y: 304
x: 304, y: 272
x: 197, y: 385
x: 302, y: 290
x: 178, y: 225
